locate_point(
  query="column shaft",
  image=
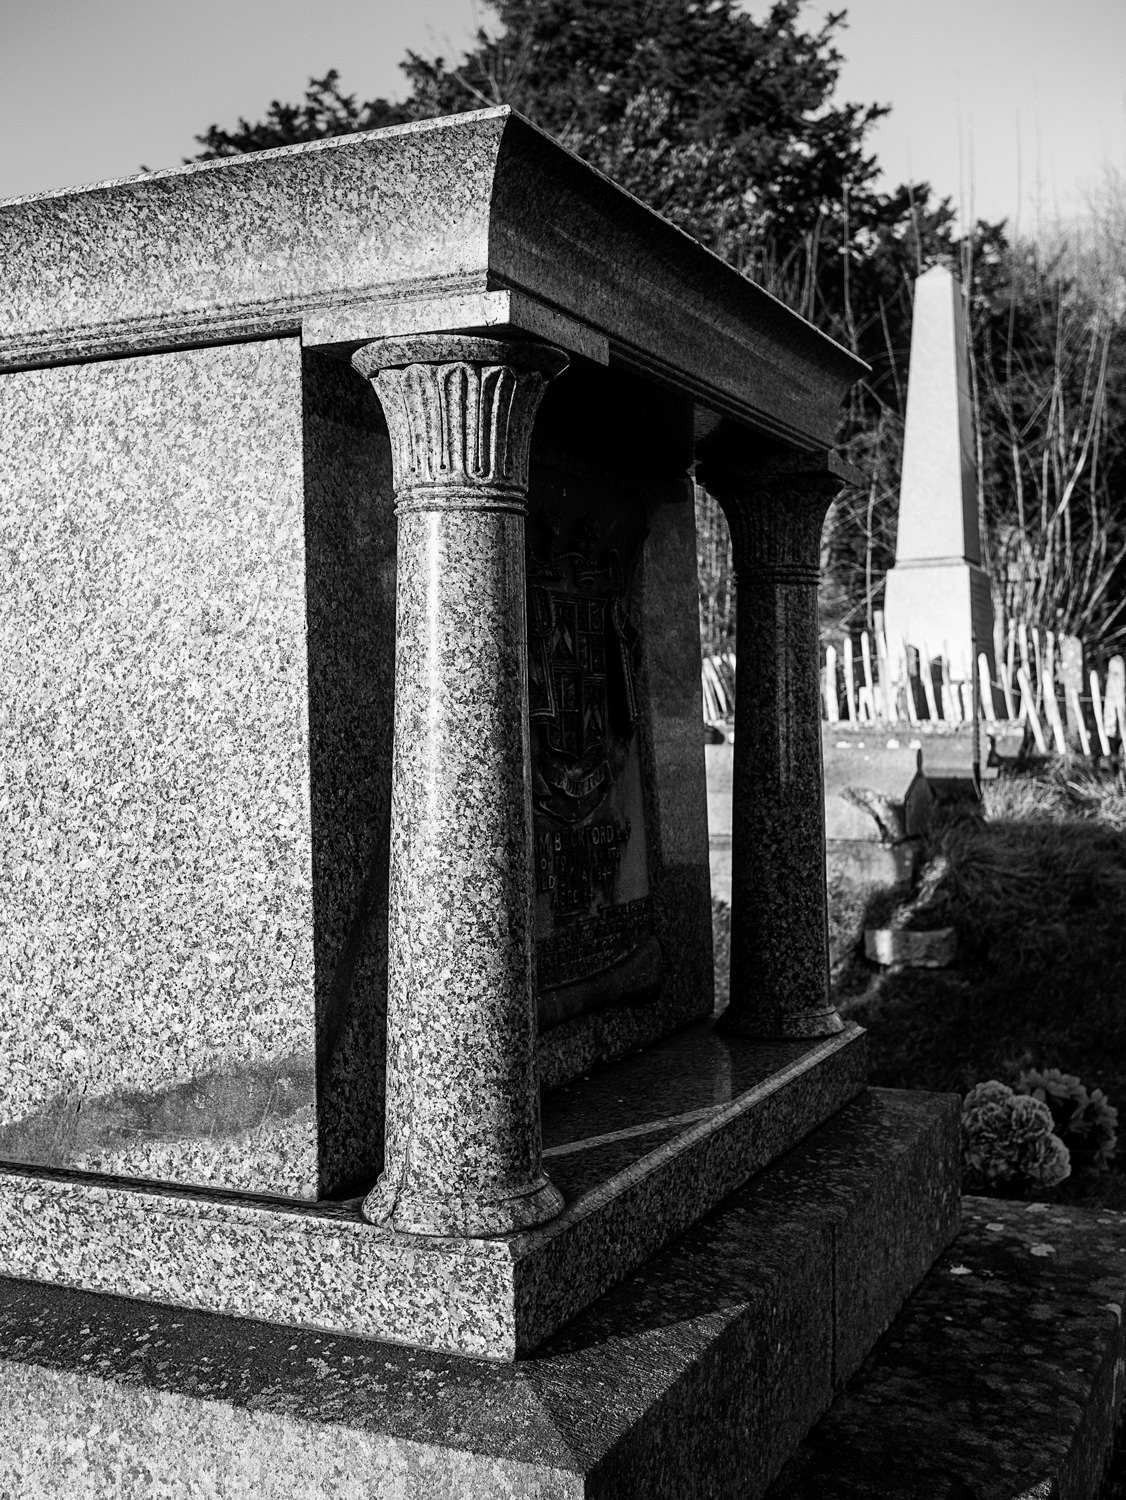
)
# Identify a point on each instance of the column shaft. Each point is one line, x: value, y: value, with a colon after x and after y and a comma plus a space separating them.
x: 779, y: 908
x: 463, y: 1149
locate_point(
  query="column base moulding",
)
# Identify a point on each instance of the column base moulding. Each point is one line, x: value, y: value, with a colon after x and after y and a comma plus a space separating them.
x: 641, y: 1151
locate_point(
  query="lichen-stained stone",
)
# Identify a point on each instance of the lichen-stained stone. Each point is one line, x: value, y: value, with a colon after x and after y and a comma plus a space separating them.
x: 156, y: 954
x: 1002, y: 1378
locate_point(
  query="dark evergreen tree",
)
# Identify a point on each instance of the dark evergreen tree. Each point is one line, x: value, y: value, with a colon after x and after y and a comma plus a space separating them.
x: 326, y: 111
x: 731, y: 127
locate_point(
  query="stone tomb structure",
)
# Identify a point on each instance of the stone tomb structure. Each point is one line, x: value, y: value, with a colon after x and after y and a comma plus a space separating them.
x: 356, y: 953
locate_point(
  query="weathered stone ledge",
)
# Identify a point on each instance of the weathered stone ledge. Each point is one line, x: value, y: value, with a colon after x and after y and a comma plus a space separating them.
x: 1002, y: 1378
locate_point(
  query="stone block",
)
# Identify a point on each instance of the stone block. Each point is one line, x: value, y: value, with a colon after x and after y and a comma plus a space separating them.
x: 693, y: 1380
x: 1001, y: 1379
x: 640, y: 1151
x: 934, y: 949
x: 905, y: 1147
x: 857, y: 862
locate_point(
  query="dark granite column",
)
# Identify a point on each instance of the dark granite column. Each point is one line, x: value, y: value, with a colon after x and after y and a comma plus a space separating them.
x: 779, y: 910
x: 463, y: 1152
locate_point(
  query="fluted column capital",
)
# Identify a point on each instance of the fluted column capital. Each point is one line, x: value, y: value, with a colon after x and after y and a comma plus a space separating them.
x: 775, y: 514
x: 460, y: 412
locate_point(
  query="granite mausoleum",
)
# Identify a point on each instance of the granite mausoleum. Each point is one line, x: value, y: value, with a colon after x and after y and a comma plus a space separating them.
x: 357, y: 959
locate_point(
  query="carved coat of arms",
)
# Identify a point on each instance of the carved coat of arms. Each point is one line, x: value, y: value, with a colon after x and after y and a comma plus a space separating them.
x: 583, y: 697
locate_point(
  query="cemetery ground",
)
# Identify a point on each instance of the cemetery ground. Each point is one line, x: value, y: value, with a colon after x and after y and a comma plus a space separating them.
x: 1032, y: 879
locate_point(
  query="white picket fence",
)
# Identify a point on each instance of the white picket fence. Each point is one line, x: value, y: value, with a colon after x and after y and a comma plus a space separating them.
x: 1036, y: 683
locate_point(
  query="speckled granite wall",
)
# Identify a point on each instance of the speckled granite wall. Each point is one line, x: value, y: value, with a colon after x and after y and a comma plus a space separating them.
x: 155, y: 883
x: 198, y: 630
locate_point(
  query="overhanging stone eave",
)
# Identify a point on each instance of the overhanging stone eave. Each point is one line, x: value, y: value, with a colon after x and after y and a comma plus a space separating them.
x: 256, y: 246
x: 563, y: 232
x: 247, y: 247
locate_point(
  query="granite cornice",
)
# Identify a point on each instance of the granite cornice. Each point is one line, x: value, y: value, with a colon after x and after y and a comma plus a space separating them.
x: 480, y: 203
x: 247, y: 246
x: 563, y: 232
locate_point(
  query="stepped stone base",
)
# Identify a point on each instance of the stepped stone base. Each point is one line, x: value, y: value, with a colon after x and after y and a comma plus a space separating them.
x: 640, y: 1151
x: 1002, y: 1379
x: 694, y: 1379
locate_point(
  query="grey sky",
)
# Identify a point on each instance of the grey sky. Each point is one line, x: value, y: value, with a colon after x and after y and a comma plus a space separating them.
x: 1006, y: 105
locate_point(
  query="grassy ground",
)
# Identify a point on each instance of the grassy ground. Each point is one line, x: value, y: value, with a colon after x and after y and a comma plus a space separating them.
x: 1033, y: 880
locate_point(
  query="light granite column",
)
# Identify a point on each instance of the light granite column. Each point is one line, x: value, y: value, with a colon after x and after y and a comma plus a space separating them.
x: 779, y: 909
x: 463, y: 1150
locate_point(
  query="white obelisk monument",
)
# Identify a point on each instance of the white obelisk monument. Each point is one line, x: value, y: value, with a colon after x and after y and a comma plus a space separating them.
x: 937, y: 596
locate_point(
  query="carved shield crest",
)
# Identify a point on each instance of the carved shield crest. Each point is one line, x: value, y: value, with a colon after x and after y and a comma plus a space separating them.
x: 581, y: 677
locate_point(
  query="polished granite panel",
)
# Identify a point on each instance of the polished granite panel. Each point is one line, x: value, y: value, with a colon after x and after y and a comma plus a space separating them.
x: 622, y: 498
x: 682, y: 1084
x: 693, y: 1380
x: 677, y: 1130
x: 155, y: 883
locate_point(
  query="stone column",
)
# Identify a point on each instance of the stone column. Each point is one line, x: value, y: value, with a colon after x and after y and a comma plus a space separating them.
x: 779, y: 909
x: 463, y: 1149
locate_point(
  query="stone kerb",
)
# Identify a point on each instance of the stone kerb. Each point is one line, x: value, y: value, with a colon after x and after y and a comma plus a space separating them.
x: 463, y: 1148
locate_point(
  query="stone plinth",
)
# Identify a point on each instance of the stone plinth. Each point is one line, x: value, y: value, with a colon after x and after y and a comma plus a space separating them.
x: 1002, y: 1377
x: 943, y: 607
x: 937, y: 596
x: 640, y: 1152
x: 693, y: 1380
